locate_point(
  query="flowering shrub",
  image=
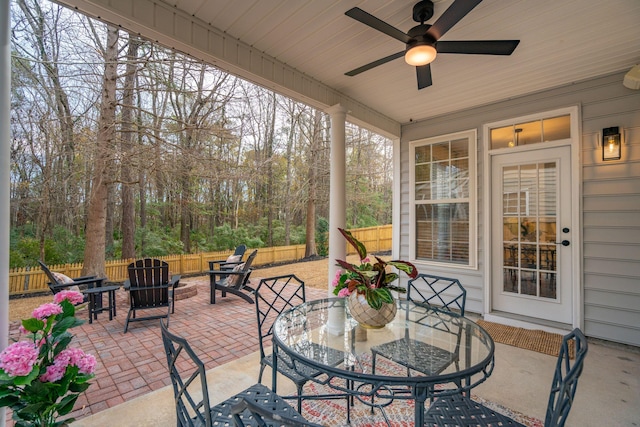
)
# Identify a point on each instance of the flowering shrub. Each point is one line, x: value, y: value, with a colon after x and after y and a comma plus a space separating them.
x: 367, y: 278
x: 40, y: 378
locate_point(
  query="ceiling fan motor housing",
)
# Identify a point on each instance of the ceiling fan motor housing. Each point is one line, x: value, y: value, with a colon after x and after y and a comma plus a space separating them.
x: 423, y: 11
x: 419, y: 36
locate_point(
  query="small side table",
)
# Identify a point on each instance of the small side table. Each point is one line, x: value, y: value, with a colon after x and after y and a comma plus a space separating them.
x: 95, y: 301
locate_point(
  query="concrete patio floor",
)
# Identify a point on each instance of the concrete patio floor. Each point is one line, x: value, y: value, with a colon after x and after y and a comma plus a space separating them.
x: 132, y: 386
x: 608, y: 393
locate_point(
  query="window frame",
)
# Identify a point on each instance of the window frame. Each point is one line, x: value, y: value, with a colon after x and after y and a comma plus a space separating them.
x: 472, y: 138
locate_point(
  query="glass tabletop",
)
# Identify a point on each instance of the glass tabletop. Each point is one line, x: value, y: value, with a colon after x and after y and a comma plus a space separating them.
x: 438, y: 347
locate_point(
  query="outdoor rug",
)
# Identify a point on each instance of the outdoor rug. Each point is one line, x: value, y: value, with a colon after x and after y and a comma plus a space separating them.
x: 528, y: 339
x: 399, y: 412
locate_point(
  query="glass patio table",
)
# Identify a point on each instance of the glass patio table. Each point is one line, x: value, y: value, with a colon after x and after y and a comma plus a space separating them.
x: 306, y: 335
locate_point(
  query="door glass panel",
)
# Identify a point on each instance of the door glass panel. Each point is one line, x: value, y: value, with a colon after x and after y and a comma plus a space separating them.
x: 529, y: 206
x: 547, y: 285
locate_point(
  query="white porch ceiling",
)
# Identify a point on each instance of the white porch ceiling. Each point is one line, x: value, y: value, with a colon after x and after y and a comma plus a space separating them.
x: 561, y: 41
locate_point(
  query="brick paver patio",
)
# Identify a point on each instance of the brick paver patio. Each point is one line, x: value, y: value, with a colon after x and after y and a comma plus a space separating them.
x: 132, y: 364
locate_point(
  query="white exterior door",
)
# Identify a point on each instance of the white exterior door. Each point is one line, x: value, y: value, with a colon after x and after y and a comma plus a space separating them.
x: 531, y: 239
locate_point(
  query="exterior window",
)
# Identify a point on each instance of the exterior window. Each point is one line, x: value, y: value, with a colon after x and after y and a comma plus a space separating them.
x: 550, y: 129
x: 443, y: 175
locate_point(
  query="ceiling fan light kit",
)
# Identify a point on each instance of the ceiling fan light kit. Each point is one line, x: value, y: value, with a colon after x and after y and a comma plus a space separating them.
x: 420, y: 54
x: 422, y: 41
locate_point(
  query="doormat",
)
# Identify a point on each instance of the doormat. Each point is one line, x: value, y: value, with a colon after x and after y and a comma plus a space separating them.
x: 396, y: 413
x: 528, y: 339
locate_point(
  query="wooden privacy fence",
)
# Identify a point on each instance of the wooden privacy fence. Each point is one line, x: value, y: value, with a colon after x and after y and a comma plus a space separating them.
x: 33, y: 280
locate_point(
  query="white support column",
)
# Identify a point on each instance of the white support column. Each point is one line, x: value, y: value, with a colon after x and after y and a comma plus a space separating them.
x: 5, y: 134
x: 337, y: 205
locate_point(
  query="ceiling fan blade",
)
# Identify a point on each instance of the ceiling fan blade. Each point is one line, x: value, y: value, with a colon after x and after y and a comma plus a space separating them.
x: 375, y: 64
x: 479, y: 47
x: 424, y: 76
x: 451, y: 16
x: 377, y: 24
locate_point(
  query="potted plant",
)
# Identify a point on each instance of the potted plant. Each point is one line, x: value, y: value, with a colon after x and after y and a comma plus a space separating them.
x: 41, y: 377
x: 368, y: 285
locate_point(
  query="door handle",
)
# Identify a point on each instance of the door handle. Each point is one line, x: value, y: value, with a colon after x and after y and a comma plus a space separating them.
x: 563, y: 243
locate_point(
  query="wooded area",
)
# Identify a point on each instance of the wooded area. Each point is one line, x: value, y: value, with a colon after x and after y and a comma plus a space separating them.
x: 122, y: 148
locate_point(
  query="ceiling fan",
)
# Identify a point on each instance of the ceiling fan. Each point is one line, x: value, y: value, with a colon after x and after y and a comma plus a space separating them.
x: 422, y: 41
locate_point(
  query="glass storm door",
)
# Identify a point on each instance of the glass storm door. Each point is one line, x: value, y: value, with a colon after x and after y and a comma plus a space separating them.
x: 531, y: 238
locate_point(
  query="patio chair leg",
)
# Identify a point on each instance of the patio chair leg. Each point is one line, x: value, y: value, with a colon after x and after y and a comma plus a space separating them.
x: 126, y: 322
x: 299, y: 387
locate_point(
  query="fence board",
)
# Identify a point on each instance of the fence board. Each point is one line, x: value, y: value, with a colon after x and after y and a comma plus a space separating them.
x: 33, y: 280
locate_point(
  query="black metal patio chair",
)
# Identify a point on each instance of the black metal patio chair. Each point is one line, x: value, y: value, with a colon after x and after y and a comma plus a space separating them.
x: 189, y: 381
x: 444, y: 294
x: 265, y: 416
x: 273, y: 296
x: 231, y: 261
x: 458, y: 409
x: 150, y: 289
x: 234, y: 281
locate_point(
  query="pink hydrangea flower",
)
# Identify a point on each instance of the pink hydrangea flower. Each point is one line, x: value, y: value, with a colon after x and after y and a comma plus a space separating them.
x: 336, y: 279
x: 344, y: 292
x: 365, y: 260
x: 73, y: 297
x: 18, y: 359
x: 46, y: 310
x: 54, y: 373
x: 86, y: 364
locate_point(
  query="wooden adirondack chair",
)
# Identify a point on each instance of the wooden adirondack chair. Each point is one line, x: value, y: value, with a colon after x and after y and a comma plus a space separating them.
x: 150, y: 289
x: 233, y: 281
x: 231, y: 262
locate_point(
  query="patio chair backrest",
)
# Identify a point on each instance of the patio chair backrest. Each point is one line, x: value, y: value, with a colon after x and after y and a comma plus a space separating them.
x: 50, y: 275
x: 187, y: 372
x: 241, y: 281
x: 565, y: 378
x: 240, y: 250
x: 151, y: 274
x: 274, y: 295
x: 442, y: 293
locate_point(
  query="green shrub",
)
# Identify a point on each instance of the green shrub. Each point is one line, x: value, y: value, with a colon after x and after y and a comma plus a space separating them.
x: 322, y: 237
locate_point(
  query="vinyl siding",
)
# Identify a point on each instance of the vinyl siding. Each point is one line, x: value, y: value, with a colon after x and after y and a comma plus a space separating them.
x: 610, y: 198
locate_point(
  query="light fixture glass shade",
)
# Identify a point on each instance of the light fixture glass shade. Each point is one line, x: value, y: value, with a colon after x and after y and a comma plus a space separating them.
x: 611, y: 149
x: 420, y: 55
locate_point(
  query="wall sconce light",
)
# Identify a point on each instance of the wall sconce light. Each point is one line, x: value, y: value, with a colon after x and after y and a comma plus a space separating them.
x: 611, y: 146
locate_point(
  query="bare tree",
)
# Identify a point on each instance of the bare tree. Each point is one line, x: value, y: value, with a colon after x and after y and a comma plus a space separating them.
x: 94, y: 253
x: 126, y: 142
x: 316, y: 137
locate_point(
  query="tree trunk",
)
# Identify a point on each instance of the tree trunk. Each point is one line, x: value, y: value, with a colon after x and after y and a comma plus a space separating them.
x: 128, y: 206
x: 109, y: 221
x: 310, y: 249
x: 269, y: 162
x: 94, y: 252
x: 287, y: 188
